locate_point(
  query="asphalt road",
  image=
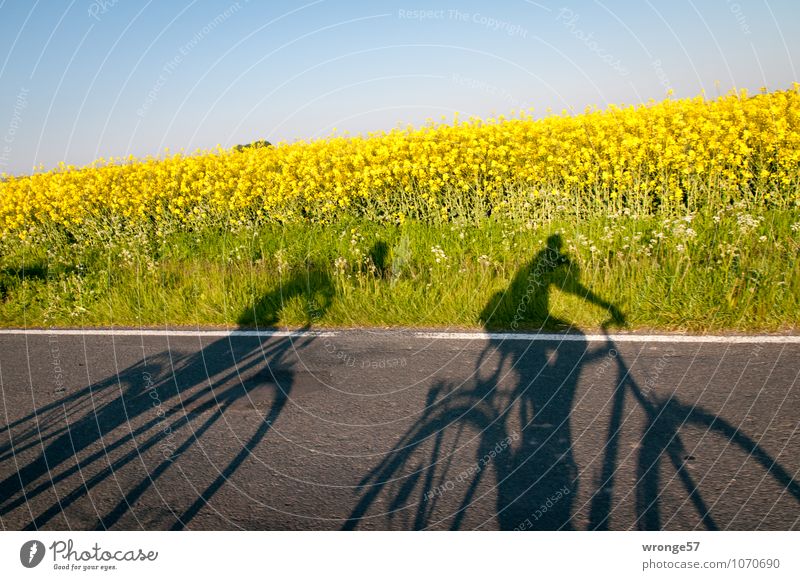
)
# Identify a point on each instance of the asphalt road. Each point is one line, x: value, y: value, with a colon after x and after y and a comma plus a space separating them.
x: 396, y: 430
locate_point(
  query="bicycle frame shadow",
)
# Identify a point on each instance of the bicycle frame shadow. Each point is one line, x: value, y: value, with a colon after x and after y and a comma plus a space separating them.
x: 522, y: 434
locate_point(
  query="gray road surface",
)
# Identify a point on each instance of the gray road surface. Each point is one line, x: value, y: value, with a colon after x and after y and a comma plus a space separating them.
x: 392, y: 430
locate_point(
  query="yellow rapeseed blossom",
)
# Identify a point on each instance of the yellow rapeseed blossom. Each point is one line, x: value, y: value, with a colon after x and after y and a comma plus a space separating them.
x: 734, y: 145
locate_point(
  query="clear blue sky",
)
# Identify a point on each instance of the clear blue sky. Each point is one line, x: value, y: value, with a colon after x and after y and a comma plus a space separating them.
x: 85, y: 79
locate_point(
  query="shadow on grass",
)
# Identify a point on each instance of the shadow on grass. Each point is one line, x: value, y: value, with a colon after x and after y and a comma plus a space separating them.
x: 11, y: 278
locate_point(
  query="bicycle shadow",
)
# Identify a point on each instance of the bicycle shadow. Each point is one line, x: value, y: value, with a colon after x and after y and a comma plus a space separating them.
x: 514, y: 419
x: 519, y: 413
x: 164, y: 404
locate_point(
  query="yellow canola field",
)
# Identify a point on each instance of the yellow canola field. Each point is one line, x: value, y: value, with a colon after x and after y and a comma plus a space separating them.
x: 734, y: 145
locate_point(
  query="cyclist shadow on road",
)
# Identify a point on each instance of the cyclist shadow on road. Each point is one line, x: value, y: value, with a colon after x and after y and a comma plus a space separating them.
x: 518, y: 406
x: 150, y: 414
x: 514, y: 415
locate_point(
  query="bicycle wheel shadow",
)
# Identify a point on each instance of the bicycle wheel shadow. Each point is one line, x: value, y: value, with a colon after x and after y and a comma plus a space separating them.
x: 157, y: 409
x: 662, y: 441
x: 504, y: 435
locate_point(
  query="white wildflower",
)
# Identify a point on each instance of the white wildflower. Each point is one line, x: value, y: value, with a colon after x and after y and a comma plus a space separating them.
x: 747, y: 223
x: 439, y: 254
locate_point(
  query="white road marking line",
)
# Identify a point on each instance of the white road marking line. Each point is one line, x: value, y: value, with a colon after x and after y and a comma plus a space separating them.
x: 165, y: 332
x: 638, y: 338
x: 678, y: 338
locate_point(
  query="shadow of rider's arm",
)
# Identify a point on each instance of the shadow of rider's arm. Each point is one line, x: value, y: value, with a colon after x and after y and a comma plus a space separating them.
x: 572, y: 284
